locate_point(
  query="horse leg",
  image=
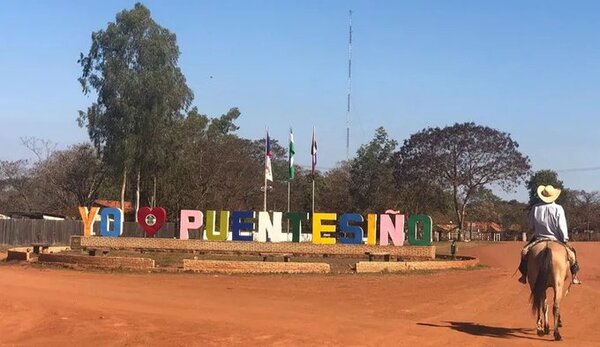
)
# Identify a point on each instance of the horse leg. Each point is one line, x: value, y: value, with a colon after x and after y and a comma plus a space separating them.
x: 539, y: 329
x: 556, y: 312
x: 558, y: 293
x: 546, y: 320
x: 542, y: 319
x: 540, y: 322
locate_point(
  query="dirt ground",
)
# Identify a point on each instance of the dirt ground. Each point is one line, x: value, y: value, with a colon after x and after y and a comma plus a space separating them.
x: 482, y: 307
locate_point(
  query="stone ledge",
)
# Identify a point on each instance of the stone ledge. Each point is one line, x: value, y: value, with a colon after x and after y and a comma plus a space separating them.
x: 240, y: 247
x: 26, y: 253
x: 100, y: 262
x: 404, y: 266
x: 19, y: 253
x: 223, y: 266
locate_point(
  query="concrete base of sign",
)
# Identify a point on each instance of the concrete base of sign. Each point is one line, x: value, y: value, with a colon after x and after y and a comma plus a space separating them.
x: 402, y: 266
x: 242, y: 247
x: 223, y: 266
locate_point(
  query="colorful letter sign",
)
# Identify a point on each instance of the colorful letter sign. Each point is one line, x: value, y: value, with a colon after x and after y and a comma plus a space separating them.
x: 270, y: 231
x: 88, y: 219
x: 151, y: 219
x: 116, y: 216
x: 394, y: 230
x: 371, y: 231
x: 190, y: 219
x: 351, y: 233
x: 264, y: 226
x: 319, y: 228
x: 241, y: 224
x: 211, y: 233
x: 412, y: 230
x: 296, y: 219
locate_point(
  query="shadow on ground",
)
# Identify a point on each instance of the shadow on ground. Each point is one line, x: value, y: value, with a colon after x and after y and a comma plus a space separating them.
x: 485, y: 330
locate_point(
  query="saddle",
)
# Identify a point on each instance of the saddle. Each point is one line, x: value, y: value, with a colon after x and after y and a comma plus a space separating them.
x: 570, y: 253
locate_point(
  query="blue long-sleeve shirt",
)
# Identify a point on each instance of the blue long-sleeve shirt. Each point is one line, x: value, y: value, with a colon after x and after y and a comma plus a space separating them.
x: 549, y: 221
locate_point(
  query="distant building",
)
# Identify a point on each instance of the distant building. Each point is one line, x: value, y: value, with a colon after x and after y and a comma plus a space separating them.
x: 113, y: 203
x: 487, y: 231
x: 444, y: 232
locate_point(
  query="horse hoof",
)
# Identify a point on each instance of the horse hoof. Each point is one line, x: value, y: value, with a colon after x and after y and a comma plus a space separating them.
x: 557, y: 337
x: 540, y: 332
x: 547, y: 330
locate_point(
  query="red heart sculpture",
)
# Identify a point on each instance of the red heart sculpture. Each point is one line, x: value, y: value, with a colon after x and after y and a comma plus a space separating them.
x: 151, y: 219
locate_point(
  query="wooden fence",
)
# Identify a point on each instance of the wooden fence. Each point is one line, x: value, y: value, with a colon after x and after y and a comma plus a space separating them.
x: 28, y: 231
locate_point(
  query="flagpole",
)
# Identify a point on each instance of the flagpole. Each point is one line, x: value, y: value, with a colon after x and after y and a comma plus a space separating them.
x: 265, y: 171
x: 291, y: 173
x: 314, y: 167
x: 265, y: 195
x: 288, y: 207
x: 313, y: 196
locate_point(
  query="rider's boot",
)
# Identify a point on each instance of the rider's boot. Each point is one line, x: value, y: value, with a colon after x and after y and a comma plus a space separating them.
x: 523, y: 270
x: 574, y: 270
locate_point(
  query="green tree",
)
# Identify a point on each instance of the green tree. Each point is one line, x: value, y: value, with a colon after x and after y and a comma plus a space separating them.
x: 419, y: 195
x: 334, y: 190
x: 484, y: 205
x: 213, y: 168
x: 372, y: 185
x: 463, y: 159
x: 132, y: 68
x: 544, y: 177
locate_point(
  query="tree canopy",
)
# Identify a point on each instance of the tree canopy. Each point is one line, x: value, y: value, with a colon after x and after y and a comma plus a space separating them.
x: 372, y: 186
x: 132, y: 68
x: 463, y: 158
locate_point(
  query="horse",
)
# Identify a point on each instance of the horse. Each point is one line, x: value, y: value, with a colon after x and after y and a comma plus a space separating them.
x: 548, y: 267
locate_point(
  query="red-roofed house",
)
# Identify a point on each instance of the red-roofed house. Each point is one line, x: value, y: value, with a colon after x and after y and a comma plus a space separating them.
x: 489, y: 231
x: 113, y: 203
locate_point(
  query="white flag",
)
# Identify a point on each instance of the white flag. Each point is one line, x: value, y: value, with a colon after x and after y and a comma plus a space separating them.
x: 268, y: 155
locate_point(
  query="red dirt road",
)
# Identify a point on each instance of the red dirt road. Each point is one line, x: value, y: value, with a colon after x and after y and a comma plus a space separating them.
x: 485, y: 307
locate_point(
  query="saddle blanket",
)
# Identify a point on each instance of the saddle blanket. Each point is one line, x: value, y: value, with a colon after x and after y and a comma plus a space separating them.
x: 570, y: 253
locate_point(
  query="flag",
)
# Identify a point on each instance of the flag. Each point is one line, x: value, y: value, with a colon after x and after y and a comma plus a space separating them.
x: 268, y: 156
x: 313, y: 153
x: 291, y: 153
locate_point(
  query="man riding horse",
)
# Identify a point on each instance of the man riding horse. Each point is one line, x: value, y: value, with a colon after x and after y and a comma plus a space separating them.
x: 548, y: 221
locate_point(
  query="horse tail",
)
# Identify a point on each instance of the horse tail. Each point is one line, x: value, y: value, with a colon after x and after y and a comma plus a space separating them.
x: 538, y: 292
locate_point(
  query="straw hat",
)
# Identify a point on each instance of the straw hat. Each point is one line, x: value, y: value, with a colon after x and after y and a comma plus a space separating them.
x: 548, y: 193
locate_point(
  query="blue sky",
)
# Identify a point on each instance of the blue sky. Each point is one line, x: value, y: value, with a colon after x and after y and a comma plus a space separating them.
x: 529, y: 68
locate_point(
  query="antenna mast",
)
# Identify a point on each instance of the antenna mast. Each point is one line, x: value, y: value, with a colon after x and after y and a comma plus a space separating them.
x: 349, y: 88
